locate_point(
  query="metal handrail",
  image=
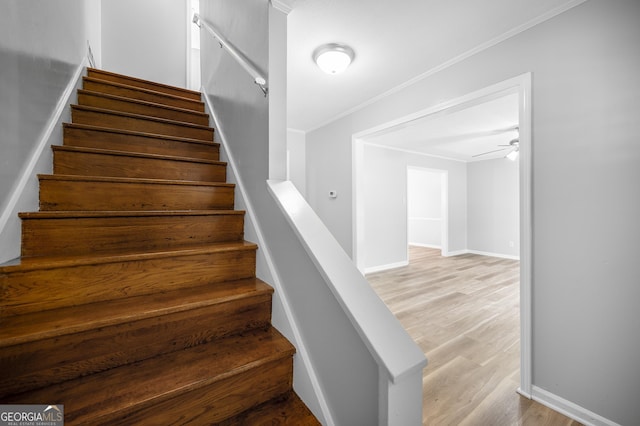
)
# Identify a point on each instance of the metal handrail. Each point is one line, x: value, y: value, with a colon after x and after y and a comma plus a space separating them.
x: 257, y: 77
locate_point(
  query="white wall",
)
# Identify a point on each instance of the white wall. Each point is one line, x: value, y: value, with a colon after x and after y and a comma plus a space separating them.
x: 297, y: 159
x: 586, y: 169
x: 146, y: 39
x: 424, y: 207
x: 42, y: 46
x: 385, y: 204
x: 493, y: 214
x: 345, y: 369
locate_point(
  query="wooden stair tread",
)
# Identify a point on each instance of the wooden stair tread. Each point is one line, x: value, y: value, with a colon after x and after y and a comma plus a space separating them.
x: 136, y: 133
x: 136, y: 299
x: 285, y: 410
x: 135, y: 154
x: 20, y: 329
x: 142, y: 102
x: 105, y: 75
x: 139, y: 116
x: 109, y: 101
x: 81, y: 178
x: 108, y: 395
x: 140, y: 89
x: 41, y: 263
x: 120, y: 214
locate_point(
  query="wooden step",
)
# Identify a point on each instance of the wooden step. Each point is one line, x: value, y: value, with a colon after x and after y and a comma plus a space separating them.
x: 103, y: 86
x: 91, y: 233
x: 287, y: 409
x: 41, y: 349
x: 86, y: 193
x: 134, y: 106
x: 81, y: 135
x: 38, y: 284
x: 145, y: 84
x: 205, y: 384
x: 140, y: 123
x: 96, y: 162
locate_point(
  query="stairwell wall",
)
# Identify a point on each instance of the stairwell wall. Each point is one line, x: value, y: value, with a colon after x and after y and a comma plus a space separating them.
x: 43, y: 48
x: 143, y: 38
x: 344, y: 369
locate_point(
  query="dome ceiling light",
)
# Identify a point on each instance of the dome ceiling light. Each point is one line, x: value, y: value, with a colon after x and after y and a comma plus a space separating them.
x: 333, y: 58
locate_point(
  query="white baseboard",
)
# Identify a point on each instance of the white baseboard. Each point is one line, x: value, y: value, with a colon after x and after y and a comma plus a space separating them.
x: 500, y: 255
x: 433, y: 246
x: 569, y: 409
x: 482, y: 253
x: 386, y: 267
x: 455, y: 253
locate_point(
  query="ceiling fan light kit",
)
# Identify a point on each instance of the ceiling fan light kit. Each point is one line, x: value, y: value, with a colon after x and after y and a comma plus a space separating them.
x: 333, y: 58
x: 513, y: 155
x: 513, y: 146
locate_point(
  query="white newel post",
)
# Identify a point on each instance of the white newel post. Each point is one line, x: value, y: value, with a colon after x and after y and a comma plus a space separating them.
x: 400, y: 403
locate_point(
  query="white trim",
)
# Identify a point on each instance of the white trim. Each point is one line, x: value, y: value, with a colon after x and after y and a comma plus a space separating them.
x: 301, y: 349
x: 433, y: 246
x: 526, y: 231
x: 386, y: 267
x: 491, y: 254
x: 569, y: 409
x: 357, y: 203
x: 284, y: 6
x: 454, y: 253
x: 43, y: 142
x: 511, y: 33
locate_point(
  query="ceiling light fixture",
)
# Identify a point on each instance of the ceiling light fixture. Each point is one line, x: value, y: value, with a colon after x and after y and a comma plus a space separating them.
x: 333, y: 58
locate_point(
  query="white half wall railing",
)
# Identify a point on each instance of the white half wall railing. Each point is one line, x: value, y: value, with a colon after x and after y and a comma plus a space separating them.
x: 238, y: 56
x: 400, y: 360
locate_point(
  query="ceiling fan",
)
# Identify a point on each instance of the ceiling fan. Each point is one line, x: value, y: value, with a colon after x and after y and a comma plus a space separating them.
x: 513, y: 146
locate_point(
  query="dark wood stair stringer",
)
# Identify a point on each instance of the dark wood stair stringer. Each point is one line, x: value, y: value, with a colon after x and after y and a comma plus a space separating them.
x: 135, y: 300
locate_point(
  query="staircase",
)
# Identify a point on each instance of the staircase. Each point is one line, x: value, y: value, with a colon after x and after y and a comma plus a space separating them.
x: 135, y: 300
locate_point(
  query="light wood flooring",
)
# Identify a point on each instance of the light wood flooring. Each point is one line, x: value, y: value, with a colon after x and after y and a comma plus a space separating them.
x: 463, y: 311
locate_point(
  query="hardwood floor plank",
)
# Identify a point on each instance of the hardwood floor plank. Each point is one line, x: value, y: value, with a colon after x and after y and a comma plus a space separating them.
x: 464, y: 311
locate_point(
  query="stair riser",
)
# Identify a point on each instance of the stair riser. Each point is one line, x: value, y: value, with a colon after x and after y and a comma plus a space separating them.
x: 217, y: 402
x: 143, y: 84
x: 100, y: 195
x: 45, y: 362
x: 132, y: 92
x: 40, y: 290
x: 86, y: 138
x: 123, y: 105
x: 107, y: 165
x: 88, y: 236
x: 115, y: 121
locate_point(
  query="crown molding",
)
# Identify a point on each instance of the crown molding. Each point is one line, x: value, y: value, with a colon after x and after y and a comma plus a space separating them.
x: 284, y: 6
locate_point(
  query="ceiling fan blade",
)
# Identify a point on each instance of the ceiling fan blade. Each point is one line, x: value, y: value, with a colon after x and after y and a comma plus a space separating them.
x: 488, y: 152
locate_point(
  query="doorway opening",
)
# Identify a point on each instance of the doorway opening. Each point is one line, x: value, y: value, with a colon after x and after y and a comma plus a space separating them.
x: 193, y: 47
x: 365, y: 147
x: 427, y: 208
